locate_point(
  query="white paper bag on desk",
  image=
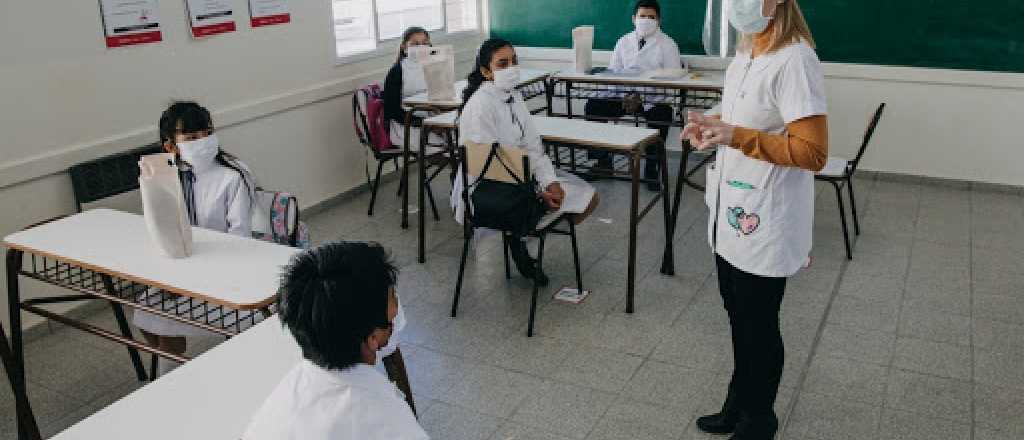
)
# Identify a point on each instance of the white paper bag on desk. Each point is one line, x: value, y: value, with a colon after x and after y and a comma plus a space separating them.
x: 439, y: 70
x: 583, y: 45
x: 163, y: 205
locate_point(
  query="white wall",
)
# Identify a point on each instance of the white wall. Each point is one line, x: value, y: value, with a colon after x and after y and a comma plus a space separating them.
x: 941, y: 123
x: 279, y: 98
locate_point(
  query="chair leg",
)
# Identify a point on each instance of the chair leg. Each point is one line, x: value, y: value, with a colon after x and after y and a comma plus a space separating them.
x: 376, y: 184
x: 536, y: 287
x: 462, y: 271
x: 401, y: 182
x: 504, y: 246
x: 122, y: 323
x: 853, y: 206
x: 575, y: 255
x: 153, y: 365
x: 842, y: 216
x: 433, y: 204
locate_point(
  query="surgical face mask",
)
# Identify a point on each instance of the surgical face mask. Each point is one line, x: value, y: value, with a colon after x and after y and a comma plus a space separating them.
x: 507, y: 78
x: 746, y: 16
x: 418, y: 53
x: 200, y: 153
x: 645, y: 27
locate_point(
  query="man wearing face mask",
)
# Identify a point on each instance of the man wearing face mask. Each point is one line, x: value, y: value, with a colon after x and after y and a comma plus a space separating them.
x: 771, y: 135
x: 644, y: 50
x: 339, y: 303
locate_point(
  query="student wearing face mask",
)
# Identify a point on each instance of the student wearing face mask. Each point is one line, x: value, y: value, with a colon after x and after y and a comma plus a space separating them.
x: 771, y: 136
x: 405, y: 79
x: 338, y: 302
x: 644, y: 50
x: 492, y: 113
x: 218, y: 192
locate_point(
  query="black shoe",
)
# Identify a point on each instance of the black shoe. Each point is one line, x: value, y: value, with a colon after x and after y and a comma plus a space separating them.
x: 756, y: 428
x: 525, y: 264
x: 719, y: 423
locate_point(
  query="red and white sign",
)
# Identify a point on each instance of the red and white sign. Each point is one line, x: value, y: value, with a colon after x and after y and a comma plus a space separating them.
x: 129, y: 22
x: 269, y: 12
x: 210, y: 17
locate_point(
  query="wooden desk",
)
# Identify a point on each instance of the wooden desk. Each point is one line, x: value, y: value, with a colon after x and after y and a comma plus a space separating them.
x: 422, y: 103
x: 621, y: 139
x: 212, y: 397
x: 226, y: 286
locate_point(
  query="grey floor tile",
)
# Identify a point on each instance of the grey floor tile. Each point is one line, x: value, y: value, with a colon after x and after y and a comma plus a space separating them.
x: 689, y: 348
x: 538, y: 356
x: 921, y: 323
x: 516, y: 431
x: 847, y: 379
x: 628, y: 333
x: 457, y: 423
x: 982, y: 433
x: 659, y: 383
x: 929, y: 395
x: 491, y: 390
x: 431, y: 374
x: 850, y: 311
x: 939, y: 298
x: 999, y: 368
x: 855, y: 343
x: 598, y: 368
x: 999, y: 308
x: 568, y: 410
x: 898, y: 425
x: 940, y: 359
x: 822, y: 417
x: 998, y: 407
x: 640, y: 421
x: 998, y: 336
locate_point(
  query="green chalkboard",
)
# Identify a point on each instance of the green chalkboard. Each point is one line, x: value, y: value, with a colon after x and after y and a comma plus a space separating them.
x: 957, y: 34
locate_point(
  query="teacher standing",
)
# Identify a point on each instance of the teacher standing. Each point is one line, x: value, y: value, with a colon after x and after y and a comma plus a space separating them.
x: 771, y: 135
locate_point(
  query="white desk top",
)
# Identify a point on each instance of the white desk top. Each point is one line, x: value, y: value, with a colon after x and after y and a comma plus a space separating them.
x: 574, y: 131
x: 703, y: 79
x: 528, y: 76
x: 224, y: 269
x: 211, y: 397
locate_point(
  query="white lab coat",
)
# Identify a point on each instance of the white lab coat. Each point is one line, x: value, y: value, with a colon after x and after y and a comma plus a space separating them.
x: 660, y: 52
x: 762, y: 214
x: 414, y: 82
x: 311, y: 403
x: 223, y: 203
x: 489, y: 117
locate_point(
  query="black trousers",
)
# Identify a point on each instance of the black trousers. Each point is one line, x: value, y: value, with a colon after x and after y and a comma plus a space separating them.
x: 753, y: 304
x: 660, y: 115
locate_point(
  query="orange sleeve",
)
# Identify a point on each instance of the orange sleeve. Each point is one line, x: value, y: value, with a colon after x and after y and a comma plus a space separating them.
x: 803, y: 145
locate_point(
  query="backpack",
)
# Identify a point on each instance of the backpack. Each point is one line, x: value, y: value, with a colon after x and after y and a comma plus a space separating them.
x: 276, y: 219
x: 371, y: 127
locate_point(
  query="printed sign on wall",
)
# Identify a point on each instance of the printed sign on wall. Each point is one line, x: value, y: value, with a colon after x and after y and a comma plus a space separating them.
x: 269, y: 12
x: 129, y: 22
x: 210, y: 17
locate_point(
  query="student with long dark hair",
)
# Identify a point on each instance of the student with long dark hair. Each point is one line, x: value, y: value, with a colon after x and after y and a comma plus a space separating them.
x: 218, y: 192
x: 492, y: 113
x: 405, y: 79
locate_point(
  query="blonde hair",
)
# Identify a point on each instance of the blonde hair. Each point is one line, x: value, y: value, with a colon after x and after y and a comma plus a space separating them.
x: 786, y: 28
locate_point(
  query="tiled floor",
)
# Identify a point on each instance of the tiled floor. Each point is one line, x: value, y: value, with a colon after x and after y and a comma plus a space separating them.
x: 920, y: 337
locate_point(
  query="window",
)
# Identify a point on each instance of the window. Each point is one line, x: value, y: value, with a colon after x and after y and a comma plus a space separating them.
x: 359, y: 25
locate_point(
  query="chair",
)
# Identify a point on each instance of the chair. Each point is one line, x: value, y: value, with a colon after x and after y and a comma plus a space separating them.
x: 839, y: 172
x: 472, y: 157
x: 393, y: 154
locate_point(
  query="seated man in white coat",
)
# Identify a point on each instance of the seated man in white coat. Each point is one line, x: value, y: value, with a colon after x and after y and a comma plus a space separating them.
x: 339, y: 303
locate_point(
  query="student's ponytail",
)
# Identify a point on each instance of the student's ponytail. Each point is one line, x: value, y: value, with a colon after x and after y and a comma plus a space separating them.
x: 483, y: 60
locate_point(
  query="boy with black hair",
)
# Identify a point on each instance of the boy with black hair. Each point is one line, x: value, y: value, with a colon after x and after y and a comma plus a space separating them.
x: 338, y: 301
x: 644, y: 50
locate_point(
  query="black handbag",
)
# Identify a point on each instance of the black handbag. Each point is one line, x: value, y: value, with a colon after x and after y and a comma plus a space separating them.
x: 510, y: 207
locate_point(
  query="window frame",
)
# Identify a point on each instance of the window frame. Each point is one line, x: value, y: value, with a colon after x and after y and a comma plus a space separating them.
x: 389, y: 46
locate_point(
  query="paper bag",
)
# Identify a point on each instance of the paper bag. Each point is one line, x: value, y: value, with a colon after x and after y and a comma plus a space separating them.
x: 583, y: 45
x: 439, y: 71
x: 163, y: 205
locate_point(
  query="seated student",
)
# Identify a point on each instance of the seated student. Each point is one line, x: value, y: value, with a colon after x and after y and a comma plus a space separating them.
x: 405, y: 79
x: 644, y: 50
x: 491, y: 113
x: 218, y: 192
x: 338, y: 301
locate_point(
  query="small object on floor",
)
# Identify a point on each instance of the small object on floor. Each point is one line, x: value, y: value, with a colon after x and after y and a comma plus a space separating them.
x: 606, y: 221
x: 413, y: 209
x: 571, y: 295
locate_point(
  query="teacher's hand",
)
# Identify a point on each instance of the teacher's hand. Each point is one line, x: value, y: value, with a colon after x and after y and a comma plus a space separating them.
x: 715, y: 132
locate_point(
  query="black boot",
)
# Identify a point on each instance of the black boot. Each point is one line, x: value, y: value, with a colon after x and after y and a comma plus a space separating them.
x: 526, y: 265
x: 760, y: 427
x: 724, y: 421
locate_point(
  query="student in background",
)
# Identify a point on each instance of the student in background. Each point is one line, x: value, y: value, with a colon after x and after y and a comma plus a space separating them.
x: 771, y: 136
x: 493, y: 113
x: 644, y: 50
x: 405, y: 79
x: 339, y: 303
x: 218, y: 192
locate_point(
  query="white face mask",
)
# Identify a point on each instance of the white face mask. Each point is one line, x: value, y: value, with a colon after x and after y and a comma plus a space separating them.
x: 418, y: 53
x: 200, y: 153
x: 746, y: 16
x: 645, y: 27
x: 507, y: 78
